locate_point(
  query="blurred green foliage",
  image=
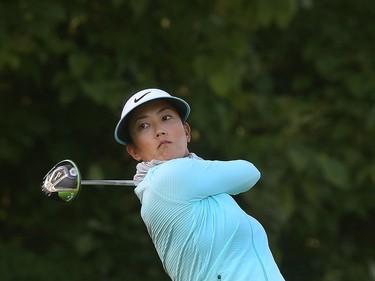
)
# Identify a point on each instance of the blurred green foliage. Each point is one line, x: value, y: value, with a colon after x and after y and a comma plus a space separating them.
x: 287, y: 84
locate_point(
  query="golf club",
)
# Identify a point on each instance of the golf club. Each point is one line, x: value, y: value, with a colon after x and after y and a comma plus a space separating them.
x: 63, y: 182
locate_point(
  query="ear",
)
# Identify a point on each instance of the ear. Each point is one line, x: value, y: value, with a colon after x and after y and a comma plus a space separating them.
x: 187, y: 132
x: 133, y: 151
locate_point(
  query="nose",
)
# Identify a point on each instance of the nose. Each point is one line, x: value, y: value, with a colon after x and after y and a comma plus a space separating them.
x: 160, y: 132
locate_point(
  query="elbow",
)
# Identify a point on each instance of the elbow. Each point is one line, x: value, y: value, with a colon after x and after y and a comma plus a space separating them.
x: 257, y: 177
x: 254, y: 175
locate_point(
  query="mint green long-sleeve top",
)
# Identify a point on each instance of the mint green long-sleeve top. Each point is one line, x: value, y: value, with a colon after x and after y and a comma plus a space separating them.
x: 198, y: 229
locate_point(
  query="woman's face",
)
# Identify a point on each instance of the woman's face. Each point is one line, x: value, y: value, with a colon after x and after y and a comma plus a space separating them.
x: 157, y: 132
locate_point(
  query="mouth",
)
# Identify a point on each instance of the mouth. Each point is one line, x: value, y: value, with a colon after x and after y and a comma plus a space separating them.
x: 163, y: 143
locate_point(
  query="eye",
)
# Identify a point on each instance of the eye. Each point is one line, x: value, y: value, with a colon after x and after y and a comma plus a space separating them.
x: 166, y: 117
x: 143, y: 126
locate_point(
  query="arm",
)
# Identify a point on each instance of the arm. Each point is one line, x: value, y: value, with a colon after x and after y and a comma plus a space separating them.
x: 186, y: 179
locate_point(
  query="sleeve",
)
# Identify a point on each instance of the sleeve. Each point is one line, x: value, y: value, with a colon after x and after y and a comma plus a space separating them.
x: 189, y: 179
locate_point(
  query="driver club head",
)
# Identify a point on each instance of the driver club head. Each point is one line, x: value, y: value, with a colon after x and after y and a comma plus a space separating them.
x: 62, y: 182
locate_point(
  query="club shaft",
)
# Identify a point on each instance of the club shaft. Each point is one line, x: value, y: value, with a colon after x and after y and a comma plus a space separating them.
x: 108, y: 182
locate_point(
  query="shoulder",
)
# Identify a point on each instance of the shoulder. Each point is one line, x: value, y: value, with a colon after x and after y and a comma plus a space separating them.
x: 175, y: 167
x: 176, y: 172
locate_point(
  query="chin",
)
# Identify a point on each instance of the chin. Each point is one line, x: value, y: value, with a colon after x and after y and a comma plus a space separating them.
x: 170, y: 157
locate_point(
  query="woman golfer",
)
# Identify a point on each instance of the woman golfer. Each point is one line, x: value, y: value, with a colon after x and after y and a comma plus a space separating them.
x: 199, y: 231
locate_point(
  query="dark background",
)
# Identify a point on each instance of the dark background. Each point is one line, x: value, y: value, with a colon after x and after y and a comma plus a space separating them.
x: 287, y: 84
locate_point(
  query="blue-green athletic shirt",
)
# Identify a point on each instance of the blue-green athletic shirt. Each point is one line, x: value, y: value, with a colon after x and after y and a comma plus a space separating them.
x: 199, y: 231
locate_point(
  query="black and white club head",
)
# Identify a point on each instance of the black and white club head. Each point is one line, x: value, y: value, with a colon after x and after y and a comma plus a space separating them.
x: 62, y: 182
